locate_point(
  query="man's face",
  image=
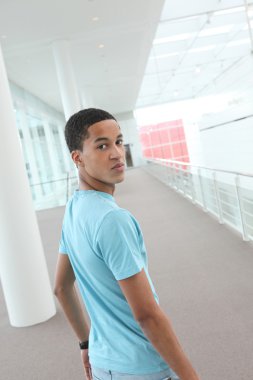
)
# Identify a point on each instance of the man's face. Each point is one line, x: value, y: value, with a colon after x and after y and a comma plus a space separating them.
x: 103, y: 153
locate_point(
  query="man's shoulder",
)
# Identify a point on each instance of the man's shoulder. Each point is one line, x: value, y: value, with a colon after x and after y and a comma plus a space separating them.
x: 121, y: 217
x: 97, y: 211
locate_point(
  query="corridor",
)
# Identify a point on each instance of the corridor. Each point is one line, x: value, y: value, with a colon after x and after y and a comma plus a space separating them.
x: 202, y: 272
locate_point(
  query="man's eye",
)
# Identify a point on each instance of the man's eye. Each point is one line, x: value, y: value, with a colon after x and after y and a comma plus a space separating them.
x: 102, y: 147
x: 119, y: 142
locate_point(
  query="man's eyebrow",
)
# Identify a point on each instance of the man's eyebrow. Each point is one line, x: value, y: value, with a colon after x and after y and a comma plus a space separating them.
x: 106, y: 138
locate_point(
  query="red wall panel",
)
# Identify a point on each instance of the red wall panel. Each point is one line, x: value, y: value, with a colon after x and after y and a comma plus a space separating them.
x: 164, y: 140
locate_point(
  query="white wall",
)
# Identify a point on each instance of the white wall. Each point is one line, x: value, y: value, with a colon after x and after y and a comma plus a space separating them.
x: 192, y: 136
x: 130, y: 132
x: 228, y: 146
x: 190, y: 111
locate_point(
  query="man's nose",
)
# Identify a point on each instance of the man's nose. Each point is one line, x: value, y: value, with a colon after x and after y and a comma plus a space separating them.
x: 116, y: 152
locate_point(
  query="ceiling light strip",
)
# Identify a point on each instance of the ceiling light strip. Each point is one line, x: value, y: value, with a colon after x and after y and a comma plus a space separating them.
x: 184, y: 18
x: 176, y: 37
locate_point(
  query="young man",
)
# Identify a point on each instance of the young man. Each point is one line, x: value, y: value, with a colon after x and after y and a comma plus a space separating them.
x: 102, y: 249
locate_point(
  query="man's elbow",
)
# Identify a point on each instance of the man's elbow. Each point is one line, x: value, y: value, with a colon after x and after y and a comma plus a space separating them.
x: 58, y: 290
x: 61, y: 289
x: 144, y: 317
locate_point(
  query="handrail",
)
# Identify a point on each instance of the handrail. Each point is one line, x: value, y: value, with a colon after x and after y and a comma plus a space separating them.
x: 201, y: 167
x: 54, y: 195
x: 225, y: 123
x: 229, y: 201
x: 53, y: 180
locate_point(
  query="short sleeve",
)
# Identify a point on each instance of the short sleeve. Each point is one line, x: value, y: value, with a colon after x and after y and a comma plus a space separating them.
x: 118, y: 244
x: 62, y: 245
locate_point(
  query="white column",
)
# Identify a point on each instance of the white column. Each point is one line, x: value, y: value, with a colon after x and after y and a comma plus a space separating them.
x: 64, y: 149
x: 66, y: 78
x: 23, y: 270
x: 53, y: 156
x: 130, y: 132
x: 86, y: 98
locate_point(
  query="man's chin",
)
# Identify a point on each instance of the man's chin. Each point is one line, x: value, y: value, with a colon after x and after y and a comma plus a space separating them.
x: 121, y: 179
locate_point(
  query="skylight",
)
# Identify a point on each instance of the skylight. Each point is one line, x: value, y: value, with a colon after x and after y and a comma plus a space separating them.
x: 165, y: 55
x: 228, y: 11
x: 243, y: 41
x: 177, y: 37
x: 214, y: 31
x: 204, y: 48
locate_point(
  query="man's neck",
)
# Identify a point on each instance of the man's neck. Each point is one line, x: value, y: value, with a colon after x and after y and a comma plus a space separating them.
x: 95, y: 185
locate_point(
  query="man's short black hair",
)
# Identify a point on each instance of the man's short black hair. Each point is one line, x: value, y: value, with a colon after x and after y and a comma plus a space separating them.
x: 76, y: 130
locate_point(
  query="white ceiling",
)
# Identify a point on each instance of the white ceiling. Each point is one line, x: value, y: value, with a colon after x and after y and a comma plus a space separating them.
x: 200, y: 48
x: 110, y: 76
x: 187, y: 65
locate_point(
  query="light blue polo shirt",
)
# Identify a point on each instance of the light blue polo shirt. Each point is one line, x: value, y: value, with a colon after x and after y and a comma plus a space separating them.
x: 105, y: 244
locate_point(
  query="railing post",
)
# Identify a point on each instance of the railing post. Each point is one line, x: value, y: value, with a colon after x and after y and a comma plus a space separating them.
x: 202, y: 190
x: 165, y: 173
x: 192, y: 187
x: 182, y: 178
x: 240, y: 206
x: 174, y: 176
x: 218, y: 202
x: 169, y: 175
x: 177, y: 171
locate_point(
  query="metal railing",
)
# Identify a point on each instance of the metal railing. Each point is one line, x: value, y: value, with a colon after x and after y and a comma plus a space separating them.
x: 53, y: 193
x: 228, y: 195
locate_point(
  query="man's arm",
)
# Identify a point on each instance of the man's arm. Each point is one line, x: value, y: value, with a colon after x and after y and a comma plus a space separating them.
x: 156, y: 325
x: 66, y: 293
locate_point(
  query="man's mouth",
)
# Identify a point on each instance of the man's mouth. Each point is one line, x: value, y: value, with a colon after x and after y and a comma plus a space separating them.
x: 120, y: 165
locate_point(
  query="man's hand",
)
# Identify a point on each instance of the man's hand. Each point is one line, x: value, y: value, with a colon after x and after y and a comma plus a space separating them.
x: 86, y: 364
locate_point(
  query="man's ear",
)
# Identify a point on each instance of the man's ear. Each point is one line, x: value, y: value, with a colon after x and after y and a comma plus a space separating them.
x: 77, y: 158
